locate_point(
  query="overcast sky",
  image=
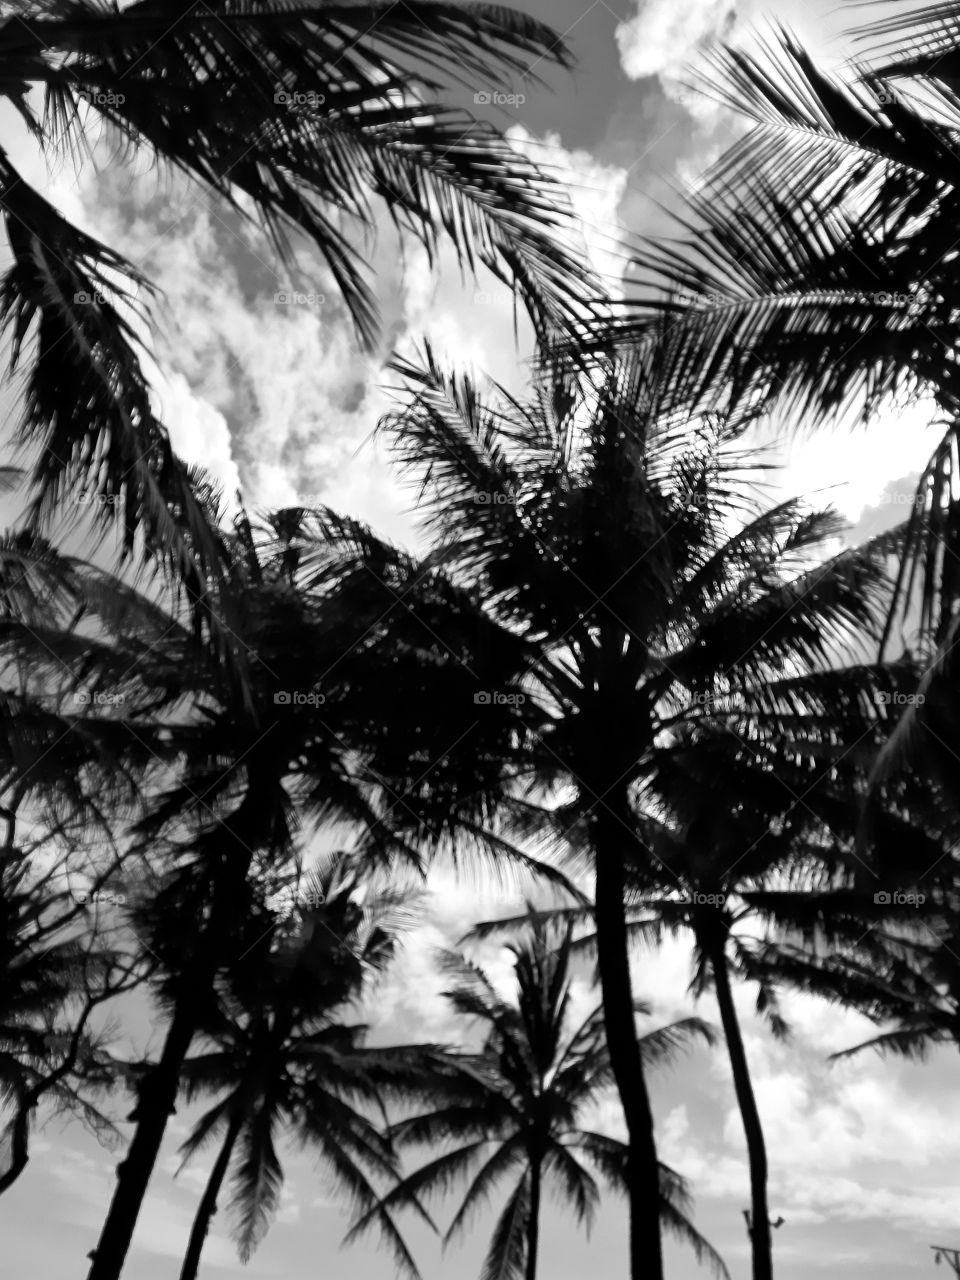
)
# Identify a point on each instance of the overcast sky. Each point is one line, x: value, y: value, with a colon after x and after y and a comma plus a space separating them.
x: 277, y: 398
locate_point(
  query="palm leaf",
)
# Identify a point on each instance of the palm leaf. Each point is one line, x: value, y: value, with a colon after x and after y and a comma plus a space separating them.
x: 506, y: 1255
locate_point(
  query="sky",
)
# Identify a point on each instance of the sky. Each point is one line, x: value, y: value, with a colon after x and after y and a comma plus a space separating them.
x: 278, y: 399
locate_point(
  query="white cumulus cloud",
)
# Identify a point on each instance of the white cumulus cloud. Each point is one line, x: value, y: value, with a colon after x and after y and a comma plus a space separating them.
x: 665, y: 33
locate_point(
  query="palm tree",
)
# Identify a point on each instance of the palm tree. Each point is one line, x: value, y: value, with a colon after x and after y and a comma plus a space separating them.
x: 235, y: 772
x: 523, y: 1100
x: 748, y: 830
x: 143, y: 661
x: 813, y: 270
x: 756, y: 833
x: 250, y: 774
x: 305, y: 118
x: 281, y: 1057
x: 77, y: 783
x: 899, y: 966
x: 603, y: 563
x: 52, y: 979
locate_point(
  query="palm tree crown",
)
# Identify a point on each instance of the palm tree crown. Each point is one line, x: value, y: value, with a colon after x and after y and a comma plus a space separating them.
x: 608, y: 566
x: 523, y: 1102
x: 307, y: 118
x: 279, y: 1058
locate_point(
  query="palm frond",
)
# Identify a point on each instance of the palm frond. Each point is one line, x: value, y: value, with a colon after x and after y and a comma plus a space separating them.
x: 661, y: 1046
x: 505, y: 1158
x: 326, y: 109
x: 257, y: 1180
x: 86, y: 403
x: 913, y: 1043
x: 507, y: 1252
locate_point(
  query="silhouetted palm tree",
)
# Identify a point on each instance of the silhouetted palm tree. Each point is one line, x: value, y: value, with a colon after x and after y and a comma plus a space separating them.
x: 606, y: 556
x: 53, y: 976
x: 305, y: 118
x: 814, y: 269
x: 237, y: 770
x: 759, y: 829
x: 899, y: 963
x: 522, y: 1108
x: 283, y: 1059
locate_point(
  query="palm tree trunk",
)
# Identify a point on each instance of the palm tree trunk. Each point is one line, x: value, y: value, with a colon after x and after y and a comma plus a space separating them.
x: 760, y: 1233
x: 157, y: 1095
x: 240, y: 833
x: 19, y: 1145
x: 208, y: 1204
x: 28, y: 1102
x: 533, y: 1223
x: 613, y: 962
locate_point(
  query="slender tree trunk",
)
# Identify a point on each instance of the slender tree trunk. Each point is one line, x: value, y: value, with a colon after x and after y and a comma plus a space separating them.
x: 760, y: 1233
x: 28, y: 1102
x: 157, y: 1095
x: 19, y: 1145
x: 613, y: 961
x: 240, y: 834
x: 20, y: 1125
x: 533, y: 1224
x: 208, y: 1205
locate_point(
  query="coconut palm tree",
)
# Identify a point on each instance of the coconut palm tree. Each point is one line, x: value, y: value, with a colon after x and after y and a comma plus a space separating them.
x: 314, y: 122
x: 608, y: 561
x: 906, y: 978
x: 813, y: 269
x: 280, y: 1056
x: 250, y: 775
x: 66, y: 789
x: 753, y: 857
x: 53, y: 976
x: 522, y: 1110
x: 236, y: 771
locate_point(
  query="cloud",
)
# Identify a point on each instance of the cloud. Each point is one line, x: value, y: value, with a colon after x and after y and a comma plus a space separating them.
x: 408, y: 1002
x: 198, y: 431
x: 848, y: 466
x: 474, y: 324
x: 858, y: 1140
x: 596, y: 191
x: 257, y: 371
x: 665, y: 33
x: 275, y: 397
